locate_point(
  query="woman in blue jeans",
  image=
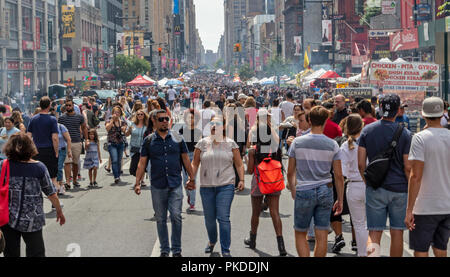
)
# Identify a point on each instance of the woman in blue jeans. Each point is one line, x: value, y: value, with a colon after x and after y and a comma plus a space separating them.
x: 65, y: 146
x: 217, y: 154
x: 116, y: 129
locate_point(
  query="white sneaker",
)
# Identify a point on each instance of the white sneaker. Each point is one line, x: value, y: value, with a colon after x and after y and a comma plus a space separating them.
x: 62, y: 190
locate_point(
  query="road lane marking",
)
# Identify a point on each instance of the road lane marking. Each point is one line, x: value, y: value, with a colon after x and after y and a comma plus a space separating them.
x: 156, y: 249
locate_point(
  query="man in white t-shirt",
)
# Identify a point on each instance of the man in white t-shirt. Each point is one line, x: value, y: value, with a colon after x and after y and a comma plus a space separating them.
x: 207, y: 114
x: 287, y: 107
x: 428, y: 210
x: 172, y: 95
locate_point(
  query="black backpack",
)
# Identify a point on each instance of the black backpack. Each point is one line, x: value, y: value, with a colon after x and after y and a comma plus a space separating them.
x: 377, y: 170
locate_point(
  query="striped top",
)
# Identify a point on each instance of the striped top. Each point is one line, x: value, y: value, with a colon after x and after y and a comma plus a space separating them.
x: 73, y: 124
x: 314, y: 156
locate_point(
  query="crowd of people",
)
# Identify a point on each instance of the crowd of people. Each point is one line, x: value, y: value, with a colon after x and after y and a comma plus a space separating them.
x: 221, y: 133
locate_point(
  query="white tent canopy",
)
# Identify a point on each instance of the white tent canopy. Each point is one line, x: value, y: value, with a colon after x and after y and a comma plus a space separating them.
x: 385, y: 60
x: 163, y: 82
x: 400, y: 60
x: 315, y: 75
x: 355, y: 78
x: 148, y: 78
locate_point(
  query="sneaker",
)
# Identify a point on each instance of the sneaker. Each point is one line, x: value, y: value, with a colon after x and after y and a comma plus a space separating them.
x: 62, y: 190
x: 338, y: 244
x: 354, y: 246
x: 91, y: 185
x: 76, y: 185
x: 95, y: 184
x: 176, y: 255
x: 191, y: 208
x: 164, y: 255
x: 117, y: 180
x: 67, y: 186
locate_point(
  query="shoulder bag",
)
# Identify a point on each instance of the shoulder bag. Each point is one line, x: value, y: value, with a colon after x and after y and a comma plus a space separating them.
x: 4, y: 193
x: 377, y: 170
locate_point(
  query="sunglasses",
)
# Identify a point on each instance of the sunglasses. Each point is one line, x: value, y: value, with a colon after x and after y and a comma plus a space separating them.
x: 140, y: 114
x: 162, y: 119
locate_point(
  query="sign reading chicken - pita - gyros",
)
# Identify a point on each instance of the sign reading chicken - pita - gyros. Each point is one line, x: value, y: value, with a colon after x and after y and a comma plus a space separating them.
x: 405, y: 74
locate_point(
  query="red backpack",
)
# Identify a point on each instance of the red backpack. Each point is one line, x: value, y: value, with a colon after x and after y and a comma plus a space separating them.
x: 4, y: 194
x: 269, y: 176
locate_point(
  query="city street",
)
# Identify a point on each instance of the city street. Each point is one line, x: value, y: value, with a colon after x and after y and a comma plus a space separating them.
x: 112, y: 221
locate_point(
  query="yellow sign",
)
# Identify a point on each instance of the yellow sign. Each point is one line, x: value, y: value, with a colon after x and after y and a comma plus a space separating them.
x: 342, y: 85
x: 68, y: 21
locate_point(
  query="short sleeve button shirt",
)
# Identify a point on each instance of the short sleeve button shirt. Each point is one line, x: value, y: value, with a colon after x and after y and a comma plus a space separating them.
x: 165, y: 159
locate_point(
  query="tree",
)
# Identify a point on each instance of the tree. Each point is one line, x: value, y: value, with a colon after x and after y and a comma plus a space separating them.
x: 369, y: 12
x: 128, y: 67
x: 276, y: 67
x: 444, y: 9
x: 245, y: 72
x: 218, y: 64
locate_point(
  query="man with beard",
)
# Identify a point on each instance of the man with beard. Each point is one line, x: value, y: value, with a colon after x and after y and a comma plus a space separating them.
x: 74, y: 124
x: 166, y: 150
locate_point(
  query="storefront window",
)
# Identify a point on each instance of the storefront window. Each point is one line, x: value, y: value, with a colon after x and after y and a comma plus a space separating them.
x: 12, y: 9
x: 26, y: 20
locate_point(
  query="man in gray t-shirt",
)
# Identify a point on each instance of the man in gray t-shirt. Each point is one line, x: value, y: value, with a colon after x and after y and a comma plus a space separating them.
x: 311, y: 158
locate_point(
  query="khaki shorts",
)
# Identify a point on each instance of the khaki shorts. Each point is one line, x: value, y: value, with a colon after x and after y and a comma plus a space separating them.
x: 76, y: 152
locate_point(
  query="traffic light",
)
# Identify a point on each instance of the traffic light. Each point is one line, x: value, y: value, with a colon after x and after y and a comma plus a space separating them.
x: 237, y: 47
x: 160, y: 51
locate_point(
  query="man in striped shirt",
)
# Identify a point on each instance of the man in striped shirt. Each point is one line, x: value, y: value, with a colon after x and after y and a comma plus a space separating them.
x: 311, y: 158
x: 74, y: 123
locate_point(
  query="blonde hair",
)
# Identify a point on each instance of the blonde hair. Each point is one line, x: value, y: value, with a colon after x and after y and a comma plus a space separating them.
x: 250, y: 102
x: 136, y: 120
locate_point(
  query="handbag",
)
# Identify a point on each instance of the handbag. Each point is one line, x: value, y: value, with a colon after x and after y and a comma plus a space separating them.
x: 4, y: 193
x: 377, y: 170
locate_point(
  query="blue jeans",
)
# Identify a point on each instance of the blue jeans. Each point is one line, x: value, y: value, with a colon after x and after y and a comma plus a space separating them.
x: 314, y: 203
x: 116, y: 154
x: 189, y: 193
x: 382, y: 203
x: 216, y: 206
x: 171, y: 200
x: 61, y: 158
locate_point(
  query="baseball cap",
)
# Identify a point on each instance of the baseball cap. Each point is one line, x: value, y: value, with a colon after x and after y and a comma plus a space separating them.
x: 433, y: 107
x: 389, y: 105
x: 242, y: 96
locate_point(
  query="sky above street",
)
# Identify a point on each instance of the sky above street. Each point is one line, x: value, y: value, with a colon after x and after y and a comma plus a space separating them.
x: 210, y: 22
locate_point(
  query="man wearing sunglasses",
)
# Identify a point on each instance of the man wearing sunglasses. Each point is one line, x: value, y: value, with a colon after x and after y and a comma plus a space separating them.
x: 166, y: 152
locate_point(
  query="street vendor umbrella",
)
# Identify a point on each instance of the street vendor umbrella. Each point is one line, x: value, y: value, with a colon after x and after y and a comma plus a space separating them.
x: 174, y: 82
x: 330, y: 75
x: 140, y: 81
